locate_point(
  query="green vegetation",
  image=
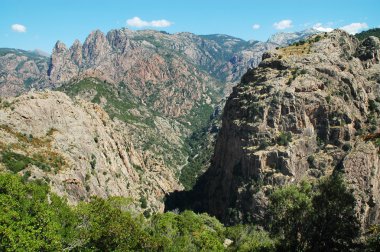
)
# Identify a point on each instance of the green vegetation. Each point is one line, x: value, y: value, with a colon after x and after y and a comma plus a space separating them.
x: 250, y: 238
x: 116, y: 106
x: 289, y: 212
x: 28, y: 220
x: 34, y: 218
x: 373, y: 240
x: 304, y: 217
x: 16, y: 162
x: 198, y: 145
x: 284, y: 138
x: 319, y: 219
x: 365, y: 34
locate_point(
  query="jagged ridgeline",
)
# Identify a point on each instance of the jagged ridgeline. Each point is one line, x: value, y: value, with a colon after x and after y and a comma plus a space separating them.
x: 308, y: 111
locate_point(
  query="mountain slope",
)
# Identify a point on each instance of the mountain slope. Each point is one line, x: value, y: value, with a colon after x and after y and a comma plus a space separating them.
x: 79, y: 151
x: 307, y: 111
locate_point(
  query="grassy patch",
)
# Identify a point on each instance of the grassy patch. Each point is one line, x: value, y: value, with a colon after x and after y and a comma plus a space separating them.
x: 299, y: 48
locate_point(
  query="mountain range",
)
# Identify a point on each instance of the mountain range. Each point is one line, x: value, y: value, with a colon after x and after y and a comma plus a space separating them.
x: 139, y: 114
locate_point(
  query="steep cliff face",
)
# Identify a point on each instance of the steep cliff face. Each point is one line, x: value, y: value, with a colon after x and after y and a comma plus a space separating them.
x: 79, y: 151
x: 21, y: 70
x: 305, y: 112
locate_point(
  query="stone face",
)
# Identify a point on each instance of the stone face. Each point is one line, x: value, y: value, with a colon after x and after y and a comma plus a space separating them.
x: 301, y: 114
x: 96, y: 154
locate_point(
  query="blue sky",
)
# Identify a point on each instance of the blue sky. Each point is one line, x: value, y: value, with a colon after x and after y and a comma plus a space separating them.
x: 28, y: 25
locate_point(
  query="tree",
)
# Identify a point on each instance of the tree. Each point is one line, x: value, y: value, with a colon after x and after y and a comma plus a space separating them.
x: 334, y: 223
x: 289, y: 213
x: 188, y: 231
x: 105, y: 226
x: 250, y: 238
x: 373, y: 240
x: 27, y: 217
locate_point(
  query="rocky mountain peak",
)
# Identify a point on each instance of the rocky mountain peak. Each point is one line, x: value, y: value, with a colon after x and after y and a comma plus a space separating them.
x: 118, y: 39
x: 95, y: 47
x: 59, y: 47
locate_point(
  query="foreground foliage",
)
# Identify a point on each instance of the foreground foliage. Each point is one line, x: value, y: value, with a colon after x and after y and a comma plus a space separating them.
x: 303, y: 217
x: 319, y: 219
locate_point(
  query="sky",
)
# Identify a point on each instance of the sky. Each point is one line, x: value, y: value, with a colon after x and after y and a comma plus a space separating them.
x: 30, y: 25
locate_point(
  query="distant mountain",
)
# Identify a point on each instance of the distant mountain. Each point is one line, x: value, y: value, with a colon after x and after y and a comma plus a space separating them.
x: 371, y: 32
x: 41, y: 53
x: 220, y: 57
x: 287, y: 38
x: 21, y: 70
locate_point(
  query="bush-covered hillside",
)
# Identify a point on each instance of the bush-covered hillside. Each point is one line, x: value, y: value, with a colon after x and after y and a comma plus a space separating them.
x: 371, y: 32
x: 302, y: 218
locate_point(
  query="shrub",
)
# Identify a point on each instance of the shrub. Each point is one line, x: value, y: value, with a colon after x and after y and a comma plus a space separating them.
x: 346, y: 147
x: 93, y: 161
x: 310, y: 160
x: 263, y: 145
x: 143, y: 202
x: 284, y: 138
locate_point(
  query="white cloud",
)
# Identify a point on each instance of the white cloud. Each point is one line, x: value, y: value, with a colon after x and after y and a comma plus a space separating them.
x: 354, y: 27
x: 18, y: 28
x: 256, y: 26
x: 283, y: 24
x: 161, y: 23
x: 138, y: 22
x: 319, y: 27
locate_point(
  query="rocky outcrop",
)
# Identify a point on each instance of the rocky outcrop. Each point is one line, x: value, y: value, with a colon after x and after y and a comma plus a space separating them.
x: 302, y: 114
x: 79, y: 151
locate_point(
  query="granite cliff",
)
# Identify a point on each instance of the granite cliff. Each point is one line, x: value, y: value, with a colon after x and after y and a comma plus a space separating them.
x: 305, y: 112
